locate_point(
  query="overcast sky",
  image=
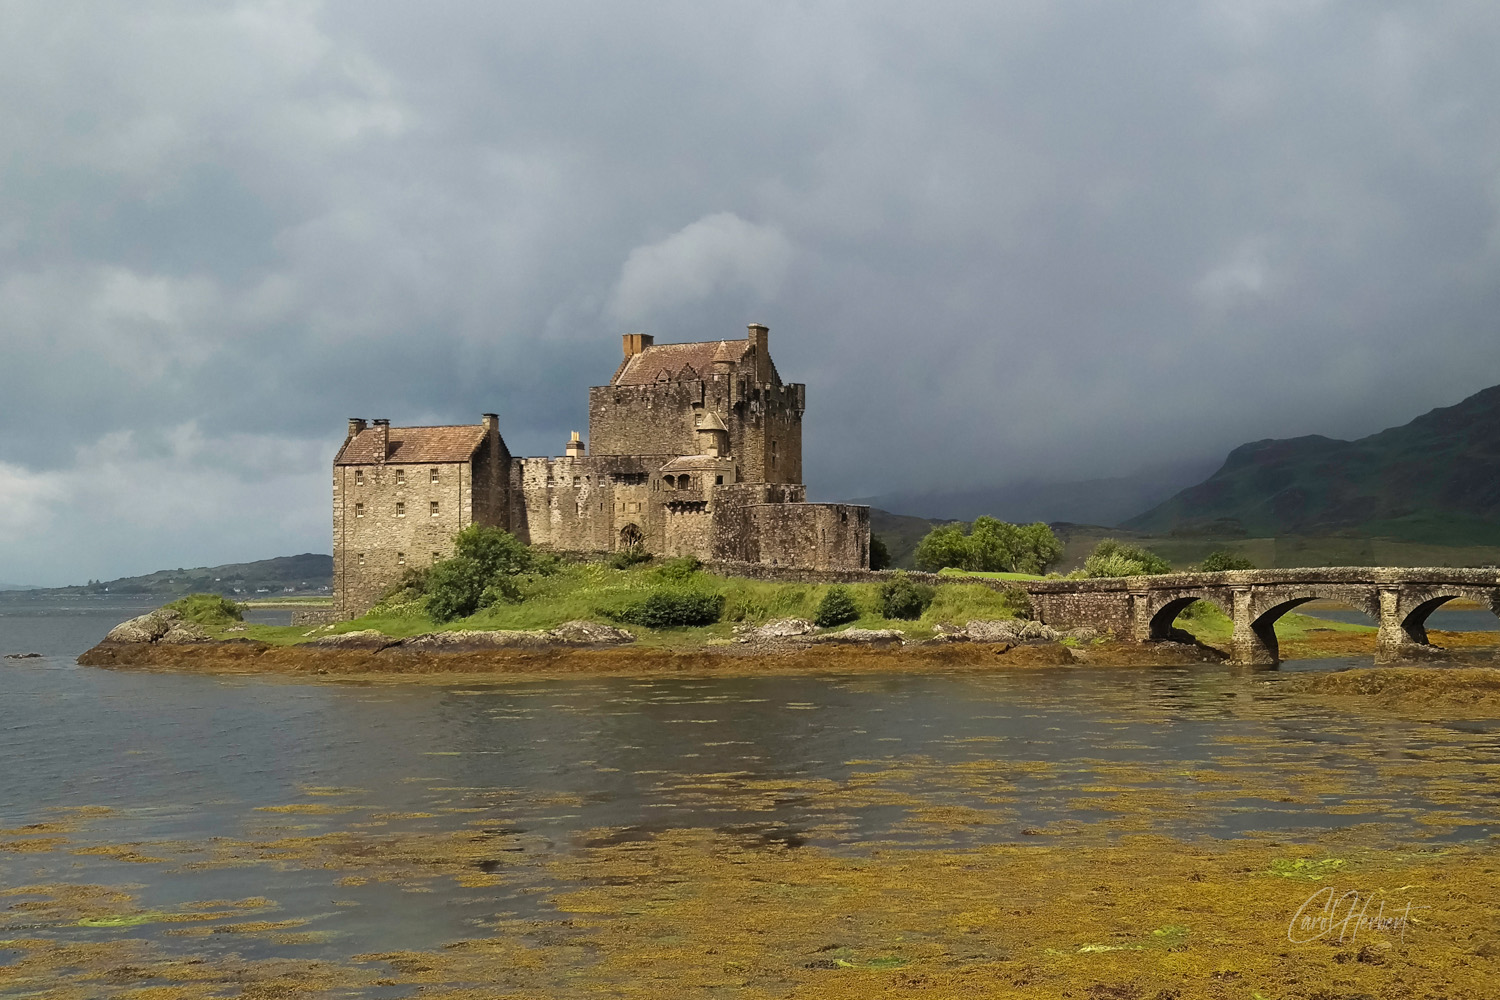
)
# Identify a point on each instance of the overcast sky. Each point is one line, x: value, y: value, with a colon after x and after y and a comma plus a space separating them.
x: 995, y: 239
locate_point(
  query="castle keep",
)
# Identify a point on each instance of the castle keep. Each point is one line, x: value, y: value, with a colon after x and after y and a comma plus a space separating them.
x: 693, y: 450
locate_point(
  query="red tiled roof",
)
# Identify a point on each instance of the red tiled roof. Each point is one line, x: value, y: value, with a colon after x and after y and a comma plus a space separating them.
x: 674, y: 362
x: 413, y: 444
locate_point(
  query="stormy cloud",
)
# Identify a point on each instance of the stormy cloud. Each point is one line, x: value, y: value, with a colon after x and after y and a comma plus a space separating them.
x: 999, y: 242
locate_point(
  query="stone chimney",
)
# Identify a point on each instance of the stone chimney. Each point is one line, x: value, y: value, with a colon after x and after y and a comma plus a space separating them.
x: 635, y: 343
x: 356, y: 424
x: 760, y: 336
x: 491, y: 422
x: 383, y: 438
x: 575, y: 446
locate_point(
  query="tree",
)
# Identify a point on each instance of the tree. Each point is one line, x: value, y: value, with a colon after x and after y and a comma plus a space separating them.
x: 880, y: 556
x: 482, y: 571
x: 942, y: 547
x: 991, y: 546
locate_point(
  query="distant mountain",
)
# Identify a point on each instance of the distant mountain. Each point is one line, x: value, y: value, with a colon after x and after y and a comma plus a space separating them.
x: 307, y: 573
x: 1091, y: 501
x: 15, y: 586
x: 1434, y: 480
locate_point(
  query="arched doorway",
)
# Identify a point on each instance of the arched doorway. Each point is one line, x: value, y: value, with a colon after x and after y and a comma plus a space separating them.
x: 632, y: 537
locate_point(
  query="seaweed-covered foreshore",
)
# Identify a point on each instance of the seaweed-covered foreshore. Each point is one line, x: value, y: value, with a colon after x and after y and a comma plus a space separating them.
x: 164, y: 640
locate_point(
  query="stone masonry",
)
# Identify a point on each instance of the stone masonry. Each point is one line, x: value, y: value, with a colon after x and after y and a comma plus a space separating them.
x: 1143, y: 608
x: 696, y: 451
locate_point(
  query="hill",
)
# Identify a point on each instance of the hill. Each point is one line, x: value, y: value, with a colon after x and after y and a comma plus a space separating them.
x: 1091, y: 501
x: 309, y: 573
x: 1435, y: 480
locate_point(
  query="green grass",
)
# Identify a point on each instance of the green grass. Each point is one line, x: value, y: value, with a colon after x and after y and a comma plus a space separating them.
x: 1212, y: 626
x: 591, y: 591
x: 954, y: 571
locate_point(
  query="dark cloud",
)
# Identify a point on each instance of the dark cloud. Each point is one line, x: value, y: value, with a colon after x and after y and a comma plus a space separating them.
x: 998, y: 241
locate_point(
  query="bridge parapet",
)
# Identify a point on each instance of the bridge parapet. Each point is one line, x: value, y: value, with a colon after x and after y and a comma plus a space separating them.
x: 1143, y: 608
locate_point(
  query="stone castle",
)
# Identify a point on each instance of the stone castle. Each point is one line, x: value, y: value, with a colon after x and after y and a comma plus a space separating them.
x: 693, y: 450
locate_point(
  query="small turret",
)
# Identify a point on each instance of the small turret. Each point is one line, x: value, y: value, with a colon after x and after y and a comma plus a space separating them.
x: 713, y: 436
x: 575, y: 447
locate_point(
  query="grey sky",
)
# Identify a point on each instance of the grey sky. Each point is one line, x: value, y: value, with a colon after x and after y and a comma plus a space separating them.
x: 1024, y: 239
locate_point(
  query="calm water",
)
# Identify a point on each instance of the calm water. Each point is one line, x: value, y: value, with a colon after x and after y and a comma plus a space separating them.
x: 555, y: 764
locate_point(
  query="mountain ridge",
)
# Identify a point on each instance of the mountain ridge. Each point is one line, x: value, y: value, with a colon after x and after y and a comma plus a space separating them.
x: 1433, y: 479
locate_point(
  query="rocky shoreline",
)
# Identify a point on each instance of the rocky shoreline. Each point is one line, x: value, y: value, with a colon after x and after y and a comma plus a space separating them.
x: 164, y: 640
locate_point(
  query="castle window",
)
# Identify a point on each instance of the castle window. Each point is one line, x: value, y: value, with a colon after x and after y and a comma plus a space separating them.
x: 718, y: 480
x: 400, y: 509
x: 359, y: 510
x: 773, y: 454
x: 359, y: 477
x: 400, y: 558
x: 436, y: 556
x: 434, y: 475
x: 361, y: 558
x: 432, y: 508
x: 400, y: 477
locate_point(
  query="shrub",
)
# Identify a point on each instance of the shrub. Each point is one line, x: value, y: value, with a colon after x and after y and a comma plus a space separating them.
x: 1218, y: 562
x: 482, y: 571
x: 836, y: 608
x: 498, y: 552
x: 903, y: 597
x: 626, y: 558
x: 679, y: 570
x: 208, y: 609
x: 668, y: 608
x: 455, y: 588
x: 411, y: 585
x: 880, y: 556
x: 1115, y: 558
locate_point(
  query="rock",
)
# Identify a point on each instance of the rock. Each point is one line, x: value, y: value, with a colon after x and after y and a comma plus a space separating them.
x: 582, y: 633
x: 872, y: 636
x: 183, y: 633
x: 467, y: 639
x: 781, y: 628
x: 1085, y: 634
x: 146, y: 628
x: 363, y: 639
x: 23, y: 656
x: 1012, y: 631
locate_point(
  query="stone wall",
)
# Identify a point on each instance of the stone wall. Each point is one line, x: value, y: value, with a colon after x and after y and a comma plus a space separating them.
x: 805, y: 535
x: 384, y: 521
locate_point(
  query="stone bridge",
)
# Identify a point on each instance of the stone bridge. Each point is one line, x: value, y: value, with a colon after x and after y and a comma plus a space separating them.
x: 1144, y: 607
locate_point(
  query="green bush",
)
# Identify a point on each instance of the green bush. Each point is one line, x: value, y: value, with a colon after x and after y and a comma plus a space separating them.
x: 1218, y: 562
x: 455, y: 588
x: 1114, y: 558
x: 207, y: 609
x: 836, y: 608
x: 880, y: 556
x: 679, y: 570
x: 991, y: 546
x: 903, y: 597
x: 671, y: 608
x: 409, y: 587
x: 626, y: 558
x: 482, y: 571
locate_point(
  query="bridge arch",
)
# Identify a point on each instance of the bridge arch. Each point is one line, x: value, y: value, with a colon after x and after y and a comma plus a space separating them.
x: 1164, y: 617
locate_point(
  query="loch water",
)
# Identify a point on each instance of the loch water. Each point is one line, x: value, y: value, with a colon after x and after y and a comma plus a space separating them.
x: 160, y: 765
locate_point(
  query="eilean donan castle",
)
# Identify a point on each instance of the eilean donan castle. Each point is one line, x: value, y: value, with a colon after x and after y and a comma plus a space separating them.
x: 693, y: 450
